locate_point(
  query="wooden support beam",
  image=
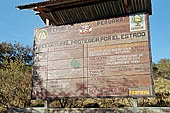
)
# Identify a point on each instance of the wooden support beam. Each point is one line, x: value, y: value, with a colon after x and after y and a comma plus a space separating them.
x: 45, y: 15
x: 54, y: 17
x: 128, y: 5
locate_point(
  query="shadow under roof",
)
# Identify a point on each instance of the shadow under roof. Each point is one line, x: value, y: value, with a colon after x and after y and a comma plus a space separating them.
x: 62, y: 12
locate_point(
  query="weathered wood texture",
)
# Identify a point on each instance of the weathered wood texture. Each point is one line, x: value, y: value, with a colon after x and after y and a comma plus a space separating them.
x: 95, y: 59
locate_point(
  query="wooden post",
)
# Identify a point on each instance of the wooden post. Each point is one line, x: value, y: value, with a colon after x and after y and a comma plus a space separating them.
x: 47, y: 22
x: 46, y: 104
x: 135, y: 102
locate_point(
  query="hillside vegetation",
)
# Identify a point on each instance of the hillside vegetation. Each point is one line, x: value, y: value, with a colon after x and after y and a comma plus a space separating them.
x: 15, y: 81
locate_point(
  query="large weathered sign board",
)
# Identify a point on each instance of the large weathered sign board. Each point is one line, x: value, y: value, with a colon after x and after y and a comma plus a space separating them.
x: 105, y: 58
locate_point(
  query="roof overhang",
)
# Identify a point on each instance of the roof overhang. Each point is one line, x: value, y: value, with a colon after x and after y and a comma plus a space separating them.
x: 61, y: 12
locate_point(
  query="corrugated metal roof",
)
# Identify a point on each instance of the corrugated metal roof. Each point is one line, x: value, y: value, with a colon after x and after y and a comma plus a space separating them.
x: 61, y: 12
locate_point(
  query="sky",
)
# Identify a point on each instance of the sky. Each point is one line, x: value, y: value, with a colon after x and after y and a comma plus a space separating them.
x: 19, y: 25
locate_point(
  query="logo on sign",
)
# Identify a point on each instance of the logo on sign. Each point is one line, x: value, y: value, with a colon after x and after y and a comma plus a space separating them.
x: 137, y: 22
x: 41, y: 35
x: 85, y: 28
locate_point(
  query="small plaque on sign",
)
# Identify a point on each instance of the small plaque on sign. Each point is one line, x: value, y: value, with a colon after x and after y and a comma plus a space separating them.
x: 139, y: 91
x: 137, y: 22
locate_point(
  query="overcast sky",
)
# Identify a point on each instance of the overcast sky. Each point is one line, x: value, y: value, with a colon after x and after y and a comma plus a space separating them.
x: 19, y: 26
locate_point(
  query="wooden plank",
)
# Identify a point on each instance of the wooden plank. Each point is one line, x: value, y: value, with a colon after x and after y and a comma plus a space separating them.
x: 67, y: 64
x: 137, y: 69
x: 66, y: 73
x: 107, y: 91
x: 114, y: 81
x: 66, y: 88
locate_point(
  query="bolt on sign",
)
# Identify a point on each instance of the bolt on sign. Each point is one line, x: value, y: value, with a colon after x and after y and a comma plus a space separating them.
x: 104, y: 58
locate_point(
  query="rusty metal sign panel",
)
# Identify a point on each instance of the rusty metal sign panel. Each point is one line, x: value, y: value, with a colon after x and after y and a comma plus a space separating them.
x: 105, y: 58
